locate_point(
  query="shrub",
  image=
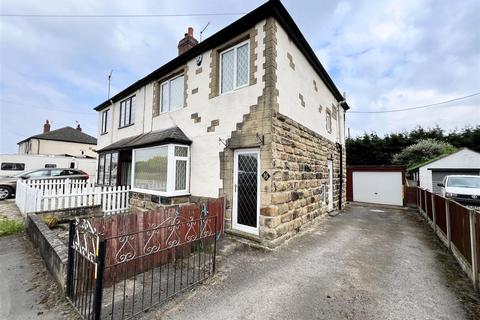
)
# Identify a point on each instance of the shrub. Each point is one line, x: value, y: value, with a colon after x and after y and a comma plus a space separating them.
x: 423, y: 150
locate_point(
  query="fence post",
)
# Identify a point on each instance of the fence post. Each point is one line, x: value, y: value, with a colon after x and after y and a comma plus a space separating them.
x: 473, y: 242
x: 449, y: 230
x: 97, y: 307
x: 434, y: 216
x: 70, y: 263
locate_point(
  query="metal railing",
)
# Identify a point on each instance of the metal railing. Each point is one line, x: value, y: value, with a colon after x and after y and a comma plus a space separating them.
x: 121, y: 266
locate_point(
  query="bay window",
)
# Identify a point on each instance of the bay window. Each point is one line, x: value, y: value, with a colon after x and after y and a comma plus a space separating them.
x: 172, y: 94
x: 107, y: 169
x: 162, y: 170
x: 234, y: 67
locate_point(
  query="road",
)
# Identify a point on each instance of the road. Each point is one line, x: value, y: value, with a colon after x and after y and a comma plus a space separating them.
x: 367, y: 263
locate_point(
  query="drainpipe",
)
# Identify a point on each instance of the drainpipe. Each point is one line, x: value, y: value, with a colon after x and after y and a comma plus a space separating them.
x: 340, y: 149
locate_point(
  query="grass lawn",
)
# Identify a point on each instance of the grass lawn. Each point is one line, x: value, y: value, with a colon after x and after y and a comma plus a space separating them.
x: 10, y: 226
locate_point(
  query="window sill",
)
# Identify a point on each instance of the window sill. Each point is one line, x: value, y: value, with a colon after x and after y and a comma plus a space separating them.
x: 126, y: 126
x: 104, y: 133
x: 234, y: 90
x: 161, y: 193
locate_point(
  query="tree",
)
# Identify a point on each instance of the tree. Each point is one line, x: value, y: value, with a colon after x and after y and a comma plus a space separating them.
x: 424, y: 150
x: 371, y: 149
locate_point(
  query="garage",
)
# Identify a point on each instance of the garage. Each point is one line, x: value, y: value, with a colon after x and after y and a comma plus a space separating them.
x: 376, y: 184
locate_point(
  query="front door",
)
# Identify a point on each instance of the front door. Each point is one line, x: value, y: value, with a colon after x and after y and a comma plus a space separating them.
x: 246, y: 188
x: 330, y: 185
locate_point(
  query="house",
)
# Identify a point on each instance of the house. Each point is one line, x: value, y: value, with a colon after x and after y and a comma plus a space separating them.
x: 65, y: 141
x: 249, y: 114
x: 429, y: 174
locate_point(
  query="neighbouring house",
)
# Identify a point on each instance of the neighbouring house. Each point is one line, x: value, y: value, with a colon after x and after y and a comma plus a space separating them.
x: 427, y: 175
x: 65, y: 141
x: 249, y: 114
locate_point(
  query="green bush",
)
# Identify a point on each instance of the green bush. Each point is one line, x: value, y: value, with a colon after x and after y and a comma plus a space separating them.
x: 10, y: 226
x: 423, y: 150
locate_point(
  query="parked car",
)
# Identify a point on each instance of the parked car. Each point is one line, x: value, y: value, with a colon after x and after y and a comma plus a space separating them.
x: 463, y: 189
x: 8, y: 185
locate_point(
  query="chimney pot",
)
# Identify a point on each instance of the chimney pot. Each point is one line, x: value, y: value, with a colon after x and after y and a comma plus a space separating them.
x: 187, y: 42
x: 79, y: 128
x: 46, y: 127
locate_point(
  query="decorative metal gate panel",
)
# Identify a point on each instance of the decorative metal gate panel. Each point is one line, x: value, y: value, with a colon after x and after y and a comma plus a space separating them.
x: 121, y: 266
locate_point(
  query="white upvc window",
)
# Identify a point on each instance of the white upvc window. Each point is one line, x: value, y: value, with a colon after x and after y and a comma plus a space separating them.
x: 234, y: 67
x: 328, y: 120
x: 172, y: 94
x: 105, y: 121
x: 161, y: 170
x: 127, y: 112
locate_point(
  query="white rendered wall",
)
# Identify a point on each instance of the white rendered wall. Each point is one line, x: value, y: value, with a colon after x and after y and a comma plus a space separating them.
x: 228, y: 108
x: 463, y: 159
x: 292, y: 82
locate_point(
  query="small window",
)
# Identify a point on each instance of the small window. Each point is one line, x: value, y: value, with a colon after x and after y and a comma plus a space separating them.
x: 127, y: 112
x: 50, y: 165
x: 234, y: 67
x: 328, y: 120
x: 13, y: 166
x: 105, y: 119
x: 172, y: 94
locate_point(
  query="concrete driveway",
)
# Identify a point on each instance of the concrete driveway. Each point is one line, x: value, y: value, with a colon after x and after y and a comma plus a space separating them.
x: 368, y: 263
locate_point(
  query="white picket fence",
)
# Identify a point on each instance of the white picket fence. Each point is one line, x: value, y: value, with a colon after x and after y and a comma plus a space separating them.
x: 52, y: 194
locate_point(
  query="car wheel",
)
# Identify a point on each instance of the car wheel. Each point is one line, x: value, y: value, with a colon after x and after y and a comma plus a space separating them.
x: 5, y: 193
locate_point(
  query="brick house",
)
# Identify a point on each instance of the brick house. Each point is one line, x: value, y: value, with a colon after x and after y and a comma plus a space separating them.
x: 248, y: 114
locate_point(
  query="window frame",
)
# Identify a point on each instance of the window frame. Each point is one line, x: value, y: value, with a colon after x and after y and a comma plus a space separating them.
x: 171, y: 172
x: 328, y: 120
x: 168, y: 82
x: 104, y: 122
x: 131, y: 105
x: 102, y: 157
x: 221, y: 53
x: 19, y: 165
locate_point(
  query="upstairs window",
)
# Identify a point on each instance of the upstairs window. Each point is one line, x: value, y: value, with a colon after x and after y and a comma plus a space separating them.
x: 172, y: 94
x: 328, y: 123
x: 234, y: 67
x: 105, y: 119
x: 127, y: 112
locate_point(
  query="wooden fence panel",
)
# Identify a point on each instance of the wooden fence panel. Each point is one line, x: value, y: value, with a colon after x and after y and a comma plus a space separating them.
x: 478, y: 237
x: 411, y: 196
x: 131, y: 235
x: 428, y: 199
x: 460, y: 229
x: 440, y: 213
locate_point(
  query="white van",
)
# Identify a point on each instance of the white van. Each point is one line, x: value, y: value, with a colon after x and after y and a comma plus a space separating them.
x: 11, y: 164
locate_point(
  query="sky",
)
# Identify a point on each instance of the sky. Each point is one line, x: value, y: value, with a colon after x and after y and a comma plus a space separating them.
x: 383, y: 54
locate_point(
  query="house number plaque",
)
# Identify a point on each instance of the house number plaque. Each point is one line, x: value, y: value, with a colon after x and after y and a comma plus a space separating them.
x: 265, y: 175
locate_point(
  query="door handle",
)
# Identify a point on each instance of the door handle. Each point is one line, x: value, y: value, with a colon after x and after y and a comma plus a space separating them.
x: 235, y: 187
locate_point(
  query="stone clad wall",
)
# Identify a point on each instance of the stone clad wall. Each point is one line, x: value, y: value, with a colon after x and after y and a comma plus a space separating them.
x: 299, y: 179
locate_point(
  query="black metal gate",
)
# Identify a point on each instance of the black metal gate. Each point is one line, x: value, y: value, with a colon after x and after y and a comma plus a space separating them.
x: 123, y: 275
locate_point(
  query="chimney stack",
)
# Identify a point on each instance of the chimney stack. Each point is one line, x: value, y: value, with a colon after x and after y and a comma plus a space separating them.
x: 79, y: 128
x: 46, y: 127
x: 187, y: 42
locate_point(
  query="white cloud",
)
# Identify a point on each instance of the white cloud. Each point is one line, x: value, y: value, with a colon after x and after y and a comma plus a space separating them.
x: 382, y: 53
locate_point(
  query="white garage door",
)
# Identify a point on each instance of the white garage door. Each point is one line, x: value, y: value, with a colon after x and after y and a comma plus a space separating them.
x: 378, y: 187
